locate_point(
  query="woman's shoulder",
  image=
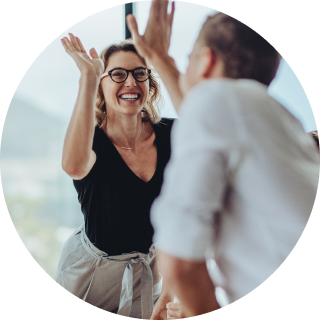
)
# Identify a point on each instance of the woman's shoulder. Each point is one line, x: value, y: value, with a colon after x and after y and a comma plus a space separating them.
x: 165, y: 124
x: 99, y: 134
x: 101, y: 141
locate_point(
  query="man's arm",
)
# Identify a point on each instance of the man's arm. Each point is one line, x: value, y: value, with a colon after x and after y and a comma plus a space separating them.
x: 191, y: 283
x: 166, y: 296
x: 185, y: 217
x: 154, y: 46
x: 169, y: 74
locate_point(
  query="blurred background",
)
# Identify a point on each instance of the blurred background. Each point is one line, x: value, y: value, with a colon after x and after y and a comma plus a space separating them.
x: 40, y: 197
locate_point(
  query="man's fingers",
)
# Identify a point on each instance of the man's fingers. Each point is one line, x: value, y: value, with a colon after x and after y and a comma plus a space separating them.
x: 133, y: 26
x: 174, y: 314
x: 173, y: 306
x: 159, y: 10
x: 171, y: 15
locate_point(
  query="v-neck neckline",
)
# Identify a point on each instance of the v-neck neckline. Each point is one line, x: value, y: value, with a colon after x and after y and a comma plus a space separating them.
x: 125, y: 164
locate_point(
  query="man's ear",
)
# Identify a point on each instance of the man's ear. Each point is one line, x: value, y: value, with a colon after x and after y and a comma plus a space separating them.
x: 211, y: 65
x: 208, y: 62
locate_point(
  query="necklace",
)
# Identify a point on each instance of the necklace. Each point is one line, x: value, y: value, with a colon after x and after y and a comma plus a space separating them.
x: 136, y: 141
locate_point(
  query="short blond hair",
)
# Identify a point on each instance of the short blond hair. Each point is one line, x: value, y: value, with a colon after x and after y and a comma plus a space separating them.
x: 151, y: 110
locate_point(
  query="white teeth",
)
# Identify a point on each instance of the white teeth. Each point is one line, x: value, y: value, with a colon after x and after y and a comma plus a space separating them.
x: 129, y: 96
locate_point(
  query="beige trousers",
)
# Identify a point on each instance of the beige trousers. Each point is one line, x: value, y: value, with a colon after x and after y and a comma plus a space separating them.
x: 128, y: 284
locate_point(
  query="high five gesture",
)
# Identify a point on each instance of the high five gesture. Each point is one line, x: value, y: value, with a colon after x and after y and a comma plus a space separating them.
x: 78, y: 157
x: 85, y: 64
x: 154, y: 46
x: 156, y: 40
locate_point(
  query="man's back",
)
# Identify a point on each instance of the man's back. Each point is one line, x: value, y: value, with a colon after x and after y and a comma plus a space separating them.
x: 278, y: 168
x: 235, y: 149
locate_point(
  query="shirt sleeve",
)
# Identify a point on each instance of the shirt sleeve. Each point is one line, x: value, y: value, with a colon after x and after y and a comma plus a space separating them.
x: 198, y: 175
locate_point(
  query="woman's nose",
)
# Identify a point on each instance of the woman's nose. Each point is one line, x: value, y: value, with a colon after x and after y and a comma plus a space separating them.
x: 130, y: 81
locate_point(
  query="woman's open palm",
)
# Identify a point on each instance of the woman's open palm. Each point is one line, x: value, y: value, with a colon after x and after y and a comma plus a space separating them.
x: 86, y: 64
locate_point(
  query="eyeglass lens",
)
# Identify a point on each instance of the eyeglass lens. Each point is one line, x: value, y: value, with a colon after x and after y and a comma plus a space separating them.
x: 120, y: 75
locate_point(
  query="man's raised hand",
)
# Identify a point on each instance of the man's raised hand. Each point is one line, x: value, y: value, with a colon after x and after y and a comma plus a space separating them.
x: 87, y: 65
x: 156, y: 40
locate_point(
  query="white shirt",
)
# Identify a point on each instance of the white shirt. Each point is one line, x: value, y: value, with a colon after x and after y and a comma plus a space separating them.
x: 240, y: 184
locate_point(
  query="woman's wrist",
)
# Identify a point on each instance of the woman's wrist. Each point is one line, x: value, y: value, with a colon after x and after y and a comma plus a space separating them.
x: 89, y: 78
x: 90, y: 75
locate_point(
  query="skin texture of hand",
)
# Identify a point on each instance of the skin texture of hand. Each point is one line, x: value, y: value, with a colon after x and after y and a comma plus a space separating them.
x: 171, y: 310
x: 86, y: 65
x: 191, y: 284
x: 159, y: 311
x: 156, y: 39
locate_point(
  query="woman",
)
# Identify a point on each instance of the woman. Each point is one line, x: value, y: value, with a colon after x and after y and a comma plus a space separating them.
x: 115, y: 149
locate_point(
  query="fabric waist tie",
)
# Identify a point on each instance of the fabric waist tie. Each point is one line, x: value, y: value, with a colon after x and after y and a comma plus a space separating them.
x: 126, y: 295
x: 93, y: 251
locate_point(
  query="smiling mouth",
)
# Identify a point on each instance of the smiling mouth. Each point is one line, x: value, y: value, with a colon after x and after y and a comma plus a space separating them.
x: 131, y: 96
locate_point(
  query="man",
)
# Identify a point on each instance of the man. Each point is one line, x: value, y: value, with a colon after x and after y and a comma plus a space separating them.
x: 243, y: 174
x: 315, y: 136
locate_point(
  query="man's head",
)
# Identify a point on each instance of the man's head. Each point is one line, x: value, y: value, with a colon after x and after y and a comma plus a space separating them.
x: 228, y: 48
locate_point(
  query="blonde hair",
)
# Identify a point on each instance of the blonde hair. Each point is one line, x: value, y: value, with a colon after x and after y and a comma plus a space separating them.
x: 151, y: 109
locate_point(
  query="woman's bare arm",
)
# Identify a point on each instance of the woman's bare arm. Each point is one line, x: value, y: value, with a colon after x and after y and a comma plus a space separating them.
x: 78, y: 157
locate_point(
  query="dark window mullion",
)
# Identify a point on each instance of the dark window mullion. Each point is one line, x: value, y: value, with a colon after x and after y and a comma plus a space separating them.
x: 128, y: 10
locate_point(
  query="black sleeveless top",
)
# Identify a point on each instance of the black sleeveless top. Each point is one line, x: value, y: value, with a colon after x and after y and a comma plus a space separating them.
x: 116, y: 202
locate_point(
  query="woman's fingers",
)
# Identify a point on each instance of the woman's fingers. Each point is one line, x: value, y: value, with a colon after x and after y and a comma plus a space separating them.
x: 67, y: 45
x: 64, y: 44
x: 82, y: 49
x: 73, y: 45
x: 93, y: 53
x: 74, y: 42
x: 85, y: 64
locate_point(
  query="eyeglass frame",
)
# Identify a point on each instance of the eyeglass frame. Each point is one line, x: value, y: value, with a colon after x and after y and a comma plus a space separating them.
x: 105, y: 74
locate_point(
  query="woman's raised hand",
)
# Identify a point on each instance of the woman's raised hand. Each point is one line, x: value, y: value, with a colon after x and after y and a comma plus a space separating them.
x: 88, y: 65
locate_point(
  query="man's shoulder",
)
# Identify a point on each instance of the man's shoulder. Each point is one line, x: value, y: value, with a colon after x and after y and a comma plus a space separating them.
x: 220, y: 95
x: 219, y: 87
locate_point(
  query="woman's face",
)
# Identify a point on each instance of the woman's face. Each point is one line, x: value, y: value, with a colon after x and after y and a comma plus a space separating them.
x: 116, y: 94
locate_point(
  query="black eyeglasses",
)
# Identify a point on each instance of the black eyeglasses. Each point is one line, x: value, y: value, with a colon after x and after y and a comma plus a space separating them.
x: 120, y: 75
